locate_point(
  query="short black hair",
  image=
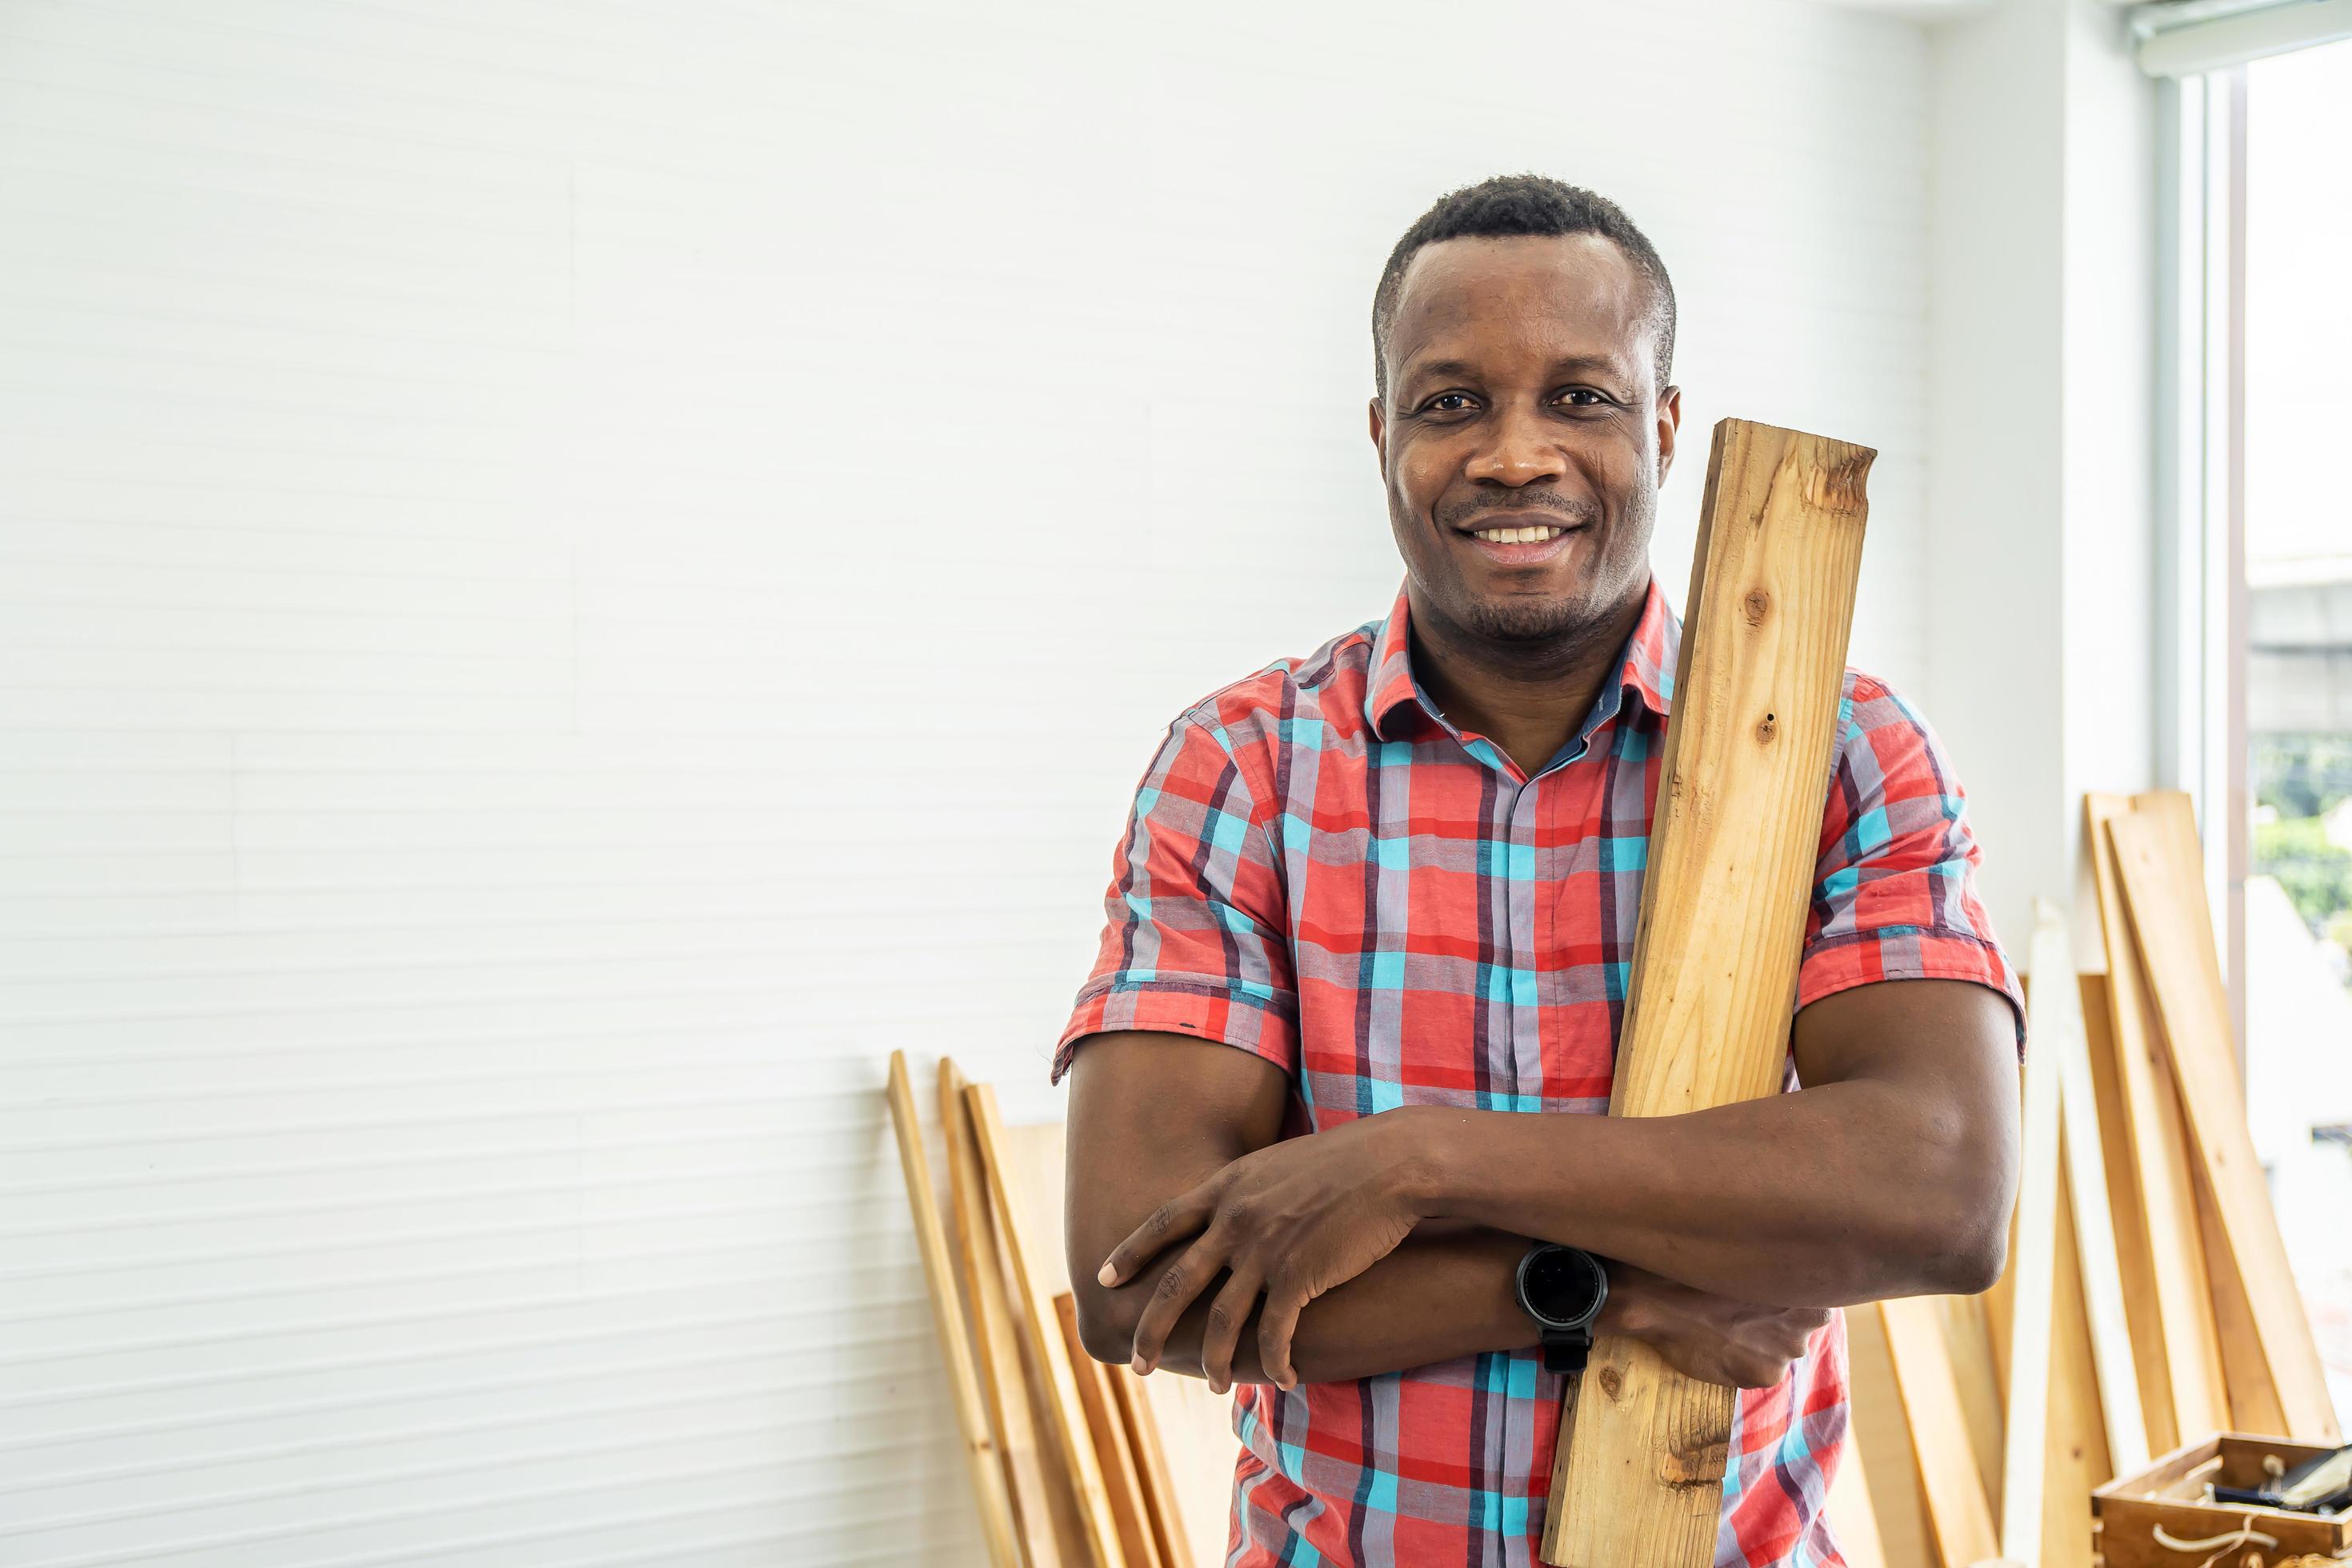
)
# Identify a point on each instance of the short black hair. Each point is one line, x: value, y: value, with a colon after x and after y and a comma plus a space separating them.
x: 1510, y: 204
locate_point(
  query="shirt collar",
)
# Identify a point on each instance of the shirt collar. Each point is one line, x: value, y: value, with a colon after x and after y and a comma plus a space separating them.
x: 1646, y: 668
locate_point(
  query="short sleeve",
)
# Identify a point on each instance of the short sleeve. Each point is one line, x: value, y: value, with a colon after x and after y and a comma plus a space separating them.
x: 1894, y: 894
x: 1193, y: 941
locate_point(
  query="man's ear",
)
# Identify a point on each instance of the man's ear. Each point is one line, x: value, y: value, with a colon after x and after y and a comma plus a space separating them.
x: 1380, y: 434
x: 1670, y: 422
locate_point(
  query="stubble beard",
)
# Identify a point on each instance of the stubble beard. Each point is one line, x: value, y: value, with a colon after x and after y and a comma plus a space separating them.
x: 1526, y: 624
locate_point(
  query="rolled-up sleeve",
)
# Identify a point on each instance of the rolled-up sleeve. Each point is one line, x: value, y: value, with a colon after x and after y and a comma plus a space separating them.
x: 1193, y: 940
x: 1895, y: 895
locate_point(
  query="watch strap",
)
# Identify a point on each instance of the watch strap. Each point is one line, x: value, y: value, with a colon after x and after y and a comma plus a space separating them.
x: 1566, y: 1350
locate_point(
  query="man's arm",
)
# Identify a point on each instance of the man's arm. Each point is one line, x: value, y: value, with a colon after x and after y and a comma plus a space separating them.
x: 1890, y: 1173
x: 1153, y: 1114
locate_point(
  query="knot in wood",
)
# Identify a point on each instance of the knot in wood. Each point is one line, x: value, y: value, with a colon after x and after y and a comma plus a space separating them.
x: 1765, y: 729
x: 1613, y: 1382
x: 1755, y: 605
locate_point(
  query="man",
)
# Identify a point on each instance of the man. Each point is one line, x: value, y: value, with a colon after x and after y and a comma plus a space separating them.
x: 1400, y: 875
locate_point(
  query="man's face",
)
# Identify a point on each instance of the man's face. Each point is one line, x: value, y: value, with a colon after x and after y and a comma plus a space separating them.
x: 1522, y: 396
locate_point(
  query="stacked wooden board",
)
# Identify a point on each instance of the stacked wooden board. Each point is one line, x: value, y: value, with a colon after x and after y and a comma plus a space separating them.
x: 1073, y: 1463
x: 2147, y: 1304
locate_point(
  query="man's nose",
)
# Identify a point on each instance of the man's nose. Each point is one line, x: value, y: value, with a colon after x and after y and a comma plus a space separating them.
x: 1519, y: 449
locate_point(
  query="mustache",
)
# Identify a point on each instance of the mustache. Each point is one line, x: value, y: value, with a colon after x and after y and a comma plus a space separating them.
x: 1576, y: 508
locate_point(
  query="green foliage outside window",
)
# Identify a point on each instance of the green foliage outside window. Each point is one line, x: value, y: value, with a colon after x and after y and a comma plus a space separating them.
x: 2303, y: 778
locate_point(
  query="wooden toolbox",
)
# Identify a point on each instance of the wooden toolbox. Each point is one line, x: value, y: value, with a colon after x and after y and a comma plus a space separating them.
x: 2169, y: 1496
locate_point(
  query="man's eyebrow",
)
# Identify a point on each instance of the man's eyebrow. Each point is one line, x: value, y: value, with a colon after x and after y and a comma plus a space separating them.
x: 1446, y: 368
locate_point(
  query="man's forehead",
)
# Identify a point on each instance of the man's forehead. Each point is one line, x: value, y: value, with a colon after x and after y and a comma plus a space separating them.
x: 1577, y: 293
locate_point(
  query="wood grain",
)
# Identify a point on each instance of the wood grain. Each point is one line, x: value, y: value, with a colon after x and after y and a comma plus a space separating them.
x: 2055, y: 1020
x: 1033, y: 1254
x: 1881, y: 1438
x: 2090, y: 1219
x: 997, y: 1346
x: 1114, y: 1450
x: 1732, y: 850
x: 2176, y: 1348
x: 1959, y: 1518
x: 981, y: 1460
x: 1196, y: 1432
x: 1159, y: 1493
x: 2075, y: 1447
x: 2160, y: 859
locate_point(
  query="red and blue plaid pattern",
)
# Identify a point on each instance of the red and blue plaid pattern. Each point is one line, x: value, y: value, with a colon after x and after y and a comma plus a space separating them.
x: 1321, y: 869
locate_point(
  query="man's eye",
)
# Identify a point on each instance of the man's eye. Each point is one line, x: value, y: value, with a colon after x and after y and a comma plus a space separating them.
x: 1449, y: 402
x: 1590, y: 399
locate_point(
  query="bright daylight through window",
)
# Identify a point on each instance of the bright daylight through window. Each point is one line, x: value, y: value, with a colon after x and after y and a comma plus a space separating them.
x: 2298, y: 566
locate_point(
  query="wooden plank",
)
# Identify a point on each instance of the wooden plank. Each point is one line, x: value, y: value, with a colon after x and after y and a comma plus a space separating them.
x: 981, y: 1459
x: 1196, y: 1432
x: 1112, y: 1448
x: 998, y: 1348
x: 1159, y: 1493
x: 1959, y: 1518
x: 2175, y: 1347
x: 1881, y: 1436
x: 1639, y: 1477
x: 2077, y: 1446
x: 2034, y: 1263
x: 2160, y: 861
x: 1034, y: 1256
x: 1976, y: 1333
x: 2090, y: 1219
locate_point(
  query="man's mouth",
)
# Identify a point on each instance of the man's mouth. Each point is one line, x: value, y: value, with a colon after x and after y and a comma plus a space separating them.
x: 1522, y: 541
x: 1519, y: 535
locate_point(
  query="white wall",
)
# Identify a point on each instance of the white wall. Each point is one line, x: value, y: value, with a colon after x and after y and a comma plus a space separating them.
x: 571, y: 575
x: 2041, y: 578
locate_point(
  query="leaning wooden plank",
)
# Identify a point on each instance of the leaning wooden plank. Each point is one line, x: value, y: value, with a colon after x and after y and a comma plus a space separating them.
x: 999, y: 1350
x: 1976, y: 1333
x: 2033, y: 1262
x: 2157, y: 852
x: 1033, y: 1255
x: 971, y: 1410
x: 1160, y: 1494
x: 1196, y: 1432
x: 2176, y: 1348
x: 1881, y: 1436
x: 2077, y: 1446
x: 1639, y: 1475
x: 1956, y: 1511
x: 1112, y: 1449
x: 2091, y: 1220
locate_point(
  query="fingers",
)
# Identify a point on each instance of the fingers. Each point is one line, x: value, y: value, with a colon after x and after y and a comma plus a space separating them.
x: 1277, y: 1323
x: 1222, y: 1332
x: 1185, y: 1279
x: 1172, y: 1221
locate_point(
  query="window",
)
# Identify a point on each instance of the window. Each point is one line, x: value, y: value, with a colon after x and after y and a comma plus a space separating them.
x: 2291, y: 925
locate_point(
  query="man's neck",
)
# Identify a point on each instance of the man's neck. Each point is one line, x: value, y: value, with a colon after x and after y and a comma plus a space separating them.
x: 1527, y: 697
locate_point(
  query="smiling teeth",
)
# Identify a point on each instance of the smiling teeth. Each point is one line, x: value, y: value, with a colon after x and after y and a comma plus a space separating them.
x: 1519, y: 536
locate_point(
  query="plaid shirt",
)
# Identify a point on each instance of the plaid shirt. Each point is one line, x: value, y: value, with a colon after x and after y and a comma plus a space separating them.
x: 1320, y: 868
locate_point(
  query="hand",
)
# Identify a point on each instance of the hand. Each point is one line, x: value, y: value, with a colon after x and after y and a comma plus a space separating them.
x: 1715, y: 1339
x: 1291, y: 1220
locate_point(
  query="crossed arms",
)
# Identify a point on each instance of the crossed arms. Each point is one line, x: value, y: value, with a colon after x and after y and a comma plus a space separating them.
x: 1390, y: 1242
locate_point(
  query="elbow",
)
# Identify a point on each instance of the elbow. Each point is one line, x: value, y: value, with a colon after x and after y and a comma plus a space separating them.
x: 1973, y: 1261
x: 1961, y: 1245
x: 1106, y: 1322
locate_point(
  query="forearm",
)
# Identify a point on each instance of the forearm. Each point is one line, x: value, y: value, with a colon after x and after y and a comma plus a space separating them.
x: 1446, y: 1291
x: 1849, y: 1192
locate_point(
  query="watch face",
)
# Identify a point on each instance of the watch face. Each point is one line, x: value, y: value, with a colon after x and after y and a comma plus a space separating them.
x: 1562, y: 1286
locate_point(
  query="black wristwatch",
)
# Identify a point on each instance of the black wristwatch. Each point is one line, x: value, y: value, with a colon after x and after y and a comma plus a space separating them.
x: 1561, y: 1287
